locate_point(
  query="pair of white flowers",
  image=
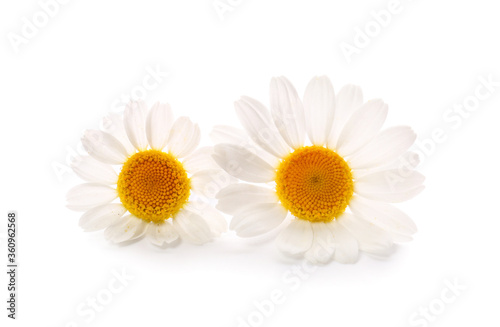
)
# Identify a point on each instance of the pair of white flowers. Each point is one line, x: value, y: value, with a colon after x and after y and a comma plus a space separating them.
x: 334, y: 190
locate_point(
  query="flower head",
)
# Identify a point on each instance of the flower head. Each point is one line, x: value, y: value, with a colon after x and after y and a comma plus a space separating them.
x: 337, y: 186
x: 142, y: 175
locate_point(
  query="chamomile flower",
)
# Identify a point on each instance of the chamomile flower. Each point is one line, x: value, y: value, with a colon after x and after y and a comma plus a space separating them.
x: 142, y: 177
x: 337, y: 188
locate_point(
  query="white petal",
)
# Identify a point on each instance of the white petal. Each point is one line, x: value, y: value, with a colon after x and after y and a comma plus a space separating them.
x: 241, y: 163
x: 238, y: 197
x: 135, y: 124
x: 125, y: 229
x: 101, y: 217
x: 229, y: 134
x: 258, y: 219
x: 385, y: 148
x: 92, y: 170
x: 287, y: 112
x: 349, y: 98
x: 200, y: 159
x: 389, y: 184
x: 394, y: 197
x: 383, y: 215
x: 406, y: 162
x: 323, y: 244
x: 319, y: 108
x: 89, y: 195
x: 346, y: 246
x: 113, y: 124
x: 104, y: 147
x: 214, y: 218
x: 158, y: 123
x: 388, y: 181
x: 208, y: 182
x: 192, y: 227
x: 141, y: 229
x: 233, y: 135
x: 257, y: 121
x: 371, y: 238
x: 296, y: 238
x: 184, y: 137
x: 161, y: 233
x: 362, y: 126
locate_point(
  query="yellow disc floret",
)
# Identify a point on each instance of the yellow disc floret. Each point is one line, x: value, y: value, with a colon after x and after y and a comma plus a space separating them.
x: 314, y: 183
x: 153, y: 185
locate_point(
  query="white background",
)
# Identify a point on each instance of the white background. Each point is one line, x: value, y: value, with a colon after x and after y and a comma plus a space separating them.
x: 429, y: 57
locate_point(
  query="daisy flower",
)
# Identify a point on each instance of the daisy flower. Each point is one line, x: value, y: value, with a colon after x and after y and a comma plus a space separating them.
x: 142, y: 178
x: 337, y: 187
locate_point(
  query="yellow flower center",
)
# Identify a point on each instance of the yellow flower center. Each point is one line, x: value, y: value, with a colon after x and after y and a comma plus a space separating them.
x: 153, y: 185
x: 314, y: 183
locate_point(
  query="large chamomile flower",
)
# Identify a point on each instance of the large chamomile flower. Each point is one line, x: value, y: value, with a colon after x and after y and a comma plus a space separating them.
x: 337, y: 187
x: 142, y: 175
